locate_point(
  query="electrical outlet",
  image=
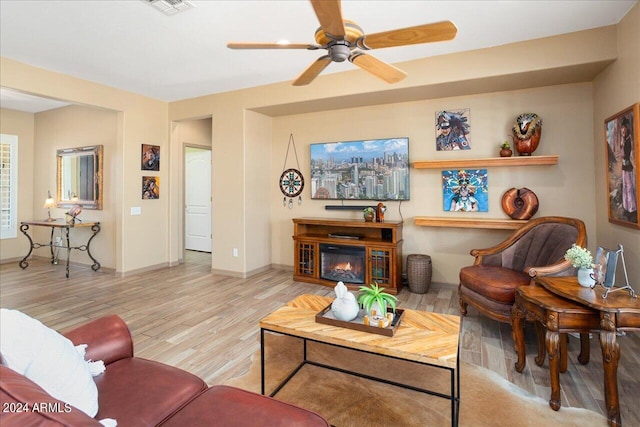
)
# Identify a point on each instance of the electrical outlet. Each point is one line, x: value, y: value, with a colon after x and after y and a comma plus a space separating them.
x: 235, y: 252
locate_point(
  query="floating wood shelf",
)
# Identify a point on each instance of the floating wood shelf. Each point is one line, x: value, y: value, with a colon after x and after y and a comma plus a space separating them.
x: 487, y: 162
x: 500, y: 224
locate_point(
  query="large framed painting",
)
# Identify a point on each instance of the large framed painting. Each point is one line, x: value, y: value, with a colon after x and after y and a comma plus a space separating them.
x: 465, y: 190
x: 622, y: 139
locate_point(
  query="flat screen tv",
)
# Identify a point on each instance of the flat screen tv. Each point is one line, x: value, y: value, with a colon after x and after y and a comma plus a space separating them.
x: 374, y: 169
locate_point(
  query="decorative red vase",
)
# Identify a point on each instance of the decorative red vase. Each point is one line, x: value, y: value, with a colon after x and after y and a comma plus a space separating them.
x: 526, y: 133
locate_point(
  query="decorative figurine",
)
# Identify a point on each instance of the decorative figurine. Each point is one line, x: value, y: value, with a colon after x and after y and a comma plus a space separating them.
x: 369, y: 214
x: 527, y: 131
x: 380, y: 210
x: 344, y: 307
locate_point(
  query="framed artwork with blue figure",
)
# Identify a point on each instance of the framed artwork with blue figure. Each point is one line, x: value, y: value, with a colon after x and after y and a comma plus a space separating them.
x: 465, y: 190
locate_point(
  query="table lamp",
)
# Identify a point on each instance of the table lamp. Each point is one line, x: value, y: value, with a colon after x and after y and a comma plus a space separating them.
x: 49, y: 203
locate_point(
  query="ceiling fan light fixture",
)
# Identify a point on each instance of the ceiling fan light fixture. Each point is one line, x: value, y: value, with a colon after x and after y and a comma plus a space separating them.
x: 339, y: 52
x: 344, y: 40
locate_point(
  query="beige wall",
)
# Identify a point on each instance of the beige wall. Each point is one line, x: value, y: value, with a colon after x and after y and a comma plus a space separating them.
x: 553, y: 79
x: 21, y: 125
x: 141, y: 242
x: 259, y: 182
x: 571, y: 58
x: 615, y: 89
x: 230, y: 200
x: 566, y: 133
x: 186, y: 133
x: 71, y: 127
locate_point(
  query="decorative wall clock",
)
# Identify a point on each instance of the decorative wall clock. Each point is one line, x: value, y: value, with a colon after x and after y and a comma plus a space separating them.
x: 291, y: 181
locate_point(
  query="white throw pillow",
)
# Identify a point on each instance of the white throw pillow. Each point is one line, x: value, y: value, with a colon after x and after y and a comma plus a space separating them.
x: 48, y: 359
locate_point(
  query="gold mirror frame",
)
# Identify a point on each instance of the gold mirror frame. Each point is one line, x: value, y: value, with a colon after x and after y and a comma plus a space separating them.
x: 79, y: 177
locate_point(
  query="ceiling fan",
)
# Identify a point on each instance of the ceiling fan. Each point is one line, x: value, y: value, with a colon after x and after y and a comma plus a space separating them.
x: 344, y: 39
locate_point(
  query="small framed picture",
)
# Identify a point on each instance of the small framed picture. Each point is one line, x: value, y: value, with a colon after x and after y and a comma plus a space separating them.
x: 453, y: 130
x: 150, y: 157
x: 622, y: 142
x: 465, y: 190
x: 605, y: 264
x: 150, y: 187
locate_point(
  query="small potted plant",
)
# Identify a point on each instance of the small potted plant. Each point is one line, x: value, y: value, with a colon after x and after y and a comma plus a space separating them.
x: 369, y: 214
x: 505, y: 150
x: 581, y: 259
x: 374, y: 301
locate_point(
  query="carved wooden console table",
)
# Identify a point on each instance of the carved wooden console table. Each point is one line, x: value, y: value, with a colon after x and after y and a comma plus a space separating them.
x: 64, y: 243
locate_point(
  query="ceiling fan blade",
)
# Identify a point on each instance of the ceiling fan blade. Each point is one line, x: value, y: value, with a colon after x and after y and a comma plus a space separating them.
x: 436, y: 32
x: 329, y: 13
x: 377, y: 67
x: 313, y: 71
x: 242, y: 45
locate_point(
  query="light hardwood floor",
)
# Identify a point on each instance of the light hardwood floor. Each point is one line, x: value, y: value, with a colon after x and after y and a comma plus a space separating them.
x: 207, y: 323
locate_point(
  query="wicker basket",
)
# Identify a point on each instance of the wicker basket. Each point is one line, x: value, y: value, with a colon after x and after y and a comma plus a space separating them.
x: 419, y: 273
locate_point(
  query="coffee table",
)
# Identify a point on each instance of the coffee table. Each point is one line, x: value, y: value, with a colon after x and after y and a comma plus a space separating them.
x: 422, y: 337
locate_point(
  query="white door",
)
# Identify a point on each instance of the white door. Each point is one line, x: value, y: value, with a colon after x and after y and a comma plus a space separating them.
x: 197, y: 199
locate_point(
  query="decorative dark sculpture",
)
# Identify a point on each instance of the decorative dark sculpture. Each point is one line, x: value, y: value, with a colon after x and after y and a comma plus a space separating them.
x: 380, y: 210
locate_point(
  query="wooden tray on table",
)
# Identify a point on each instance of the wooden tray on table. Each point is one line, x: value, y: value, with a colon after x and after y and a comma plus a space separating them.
x: 326, y: 316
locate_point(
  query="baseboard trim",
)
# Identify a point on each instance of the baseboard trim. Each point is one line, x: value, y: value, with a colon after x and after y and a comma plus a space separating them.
x: 143, y: 269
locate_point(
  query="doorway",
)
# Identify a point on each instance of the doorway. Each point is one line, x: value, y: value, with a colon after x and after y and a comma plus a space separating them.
x: 197, y: 184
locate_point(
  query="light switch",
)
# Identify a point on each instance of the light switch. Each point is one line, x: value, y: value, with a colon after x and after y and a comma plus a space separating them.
x: 136, y: 210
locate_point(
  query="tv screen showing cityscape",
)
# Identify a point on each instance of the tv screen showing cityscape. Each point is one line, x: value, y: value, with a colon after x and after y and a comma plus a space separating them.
x: 374, y: 169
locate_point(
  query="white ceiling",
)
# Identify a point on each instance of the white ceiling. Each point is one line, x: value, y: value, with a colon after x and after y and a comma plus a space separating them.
x: 129, y: 45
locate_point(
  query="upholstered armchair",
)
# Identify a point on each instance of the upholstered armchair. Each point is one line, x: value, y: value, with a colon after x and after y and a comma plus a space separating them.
x: 535, y: 249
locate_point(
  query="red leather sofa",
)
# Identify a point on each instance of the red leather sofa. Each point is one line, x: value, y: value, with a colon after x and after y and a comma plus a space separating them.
x: 140, y: 392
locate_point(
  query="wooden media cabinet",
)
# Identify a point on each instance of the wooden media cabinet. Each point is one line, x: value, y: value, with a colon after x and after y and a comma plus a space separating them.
x: 381, y: 243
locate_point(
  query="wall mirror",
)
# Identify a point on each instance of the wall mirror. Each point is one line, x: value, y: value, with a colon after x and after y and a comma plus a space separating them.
x: 80, y: 177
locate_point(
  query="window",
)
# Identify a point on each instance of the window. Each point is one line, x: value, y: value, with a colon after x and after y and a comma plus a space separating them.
x: 8, y: 186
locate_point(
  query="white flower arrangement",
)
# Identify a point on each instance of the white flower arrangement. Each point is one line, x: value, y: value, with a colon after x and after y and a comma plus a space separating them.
x: 579, y: 257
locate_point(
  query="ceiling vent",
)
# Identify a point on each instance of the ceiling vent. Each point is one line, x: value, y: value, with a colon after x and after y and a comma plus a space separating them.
x: 170, y: 7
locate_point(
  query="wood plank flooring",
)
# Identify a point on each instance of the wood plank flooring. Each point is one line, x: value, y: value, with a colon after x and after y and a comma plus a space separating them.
x: 207, y: 323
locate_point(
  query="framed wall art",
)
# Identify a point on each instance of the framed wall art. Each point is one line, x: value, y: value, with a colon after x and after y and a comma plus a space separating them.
x: 453, y: 130
x: 150, y: 187
x: 150, y: 157
x: 622, y: 141
x: 465, y: 190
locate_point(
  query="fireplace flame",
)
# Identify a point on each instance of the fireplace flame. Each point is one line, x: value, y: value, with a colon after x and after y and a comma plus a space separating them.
x: 343, y: 267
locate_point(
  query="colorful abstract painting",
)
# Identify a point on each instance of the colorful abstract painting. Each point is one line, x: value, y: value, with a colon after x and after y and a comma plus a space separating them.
x: 465, y: 190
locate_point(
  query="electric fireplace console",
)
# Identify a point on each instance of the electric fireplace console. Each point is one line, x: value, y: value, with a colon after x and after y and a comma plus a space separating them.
x: 357, y: 253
